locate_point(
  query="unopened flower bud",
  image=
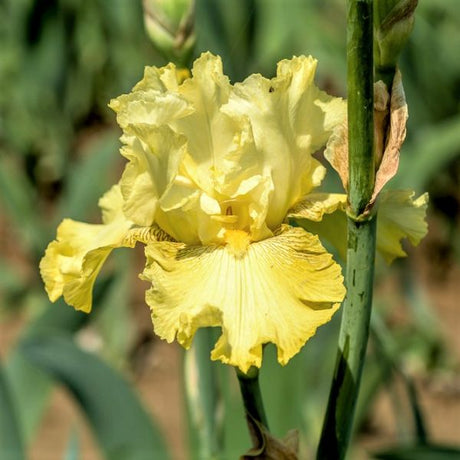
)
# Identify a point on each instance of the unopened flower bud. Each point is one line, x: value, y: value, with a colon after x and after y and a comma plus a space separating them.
x: 393, y: 22
x: 170, y: 26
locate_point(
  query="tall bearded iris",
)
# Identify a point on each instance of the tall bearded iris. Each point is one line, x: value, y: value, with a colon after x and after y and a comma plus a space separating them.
x: 213, y: 171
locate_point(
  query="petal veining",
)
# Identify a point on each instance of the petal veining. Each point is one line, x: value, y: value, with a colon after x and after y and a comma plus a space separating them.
x: 279, y: 291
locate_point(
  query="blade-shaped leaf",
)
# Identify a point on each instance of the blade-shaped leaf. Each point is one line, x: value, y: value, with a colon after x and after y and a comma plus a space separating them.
x: 19, y: 202
x: 203, y: 396
x: 122, y: 427
x: 434, y: 147
x: 31, y: 388
x: 11, y: 447
x: 90, y: 178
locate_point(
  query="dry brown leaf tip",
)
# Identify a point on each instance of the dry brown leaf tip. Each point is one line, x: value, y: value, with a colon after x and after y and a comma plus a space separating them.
x: 394, y: 134
x: 267, y: 447
x: 381, y: 112
x: 390, y: 117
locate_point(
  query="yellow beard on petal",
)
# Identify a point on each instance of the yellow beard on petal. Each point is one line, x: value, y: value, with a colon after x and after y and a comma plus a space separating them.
x: 237, y: 242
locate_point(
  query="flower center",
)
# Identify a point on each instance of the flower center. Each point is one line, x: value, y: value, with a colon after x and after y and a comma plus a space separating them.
x: 237, y: 242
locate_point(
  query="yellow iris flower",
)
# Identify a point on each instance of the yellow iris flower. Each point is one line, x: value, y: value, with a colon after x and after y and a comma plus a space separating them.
x: 213, y: 171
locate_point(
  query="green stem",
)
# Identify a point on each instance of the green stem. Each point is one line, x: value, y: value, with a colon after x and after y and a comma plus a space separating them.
x: 360, y: 82
x: 352, y: 344
x: 354, y: 330
x: 252, y: 397
x: 203, y: 396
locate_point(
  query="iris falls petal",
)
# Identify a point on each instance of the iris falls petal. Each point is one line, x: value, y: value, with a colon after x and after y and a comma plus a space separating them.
x: 278, y: 290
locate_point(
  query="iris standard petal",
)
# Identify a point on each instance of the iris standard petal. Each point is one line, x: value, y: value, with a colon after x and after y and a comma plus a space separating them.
x: 154, y: 158
x: 246, y: 147
x: 291, y: 119
x: 154, y: 100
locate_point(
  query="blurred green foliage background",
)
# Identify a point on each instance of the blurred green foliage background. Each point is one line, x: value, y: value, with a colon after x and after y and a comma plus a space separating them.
x: 61, y: 61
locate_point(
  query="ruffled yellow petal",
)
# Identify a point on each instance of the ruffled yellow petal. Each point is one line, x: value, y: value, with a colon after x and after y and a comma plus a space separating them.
x: 153, y: 101
x: 111, y: 205
x: 315, y: 205
x: 276, y: 290
x: 155, y: 155
x: 206, y: 128
x: 149, y: 107
x: 187, y: 215
x: 316, y: 213
x: 290, y: 118
x: 72, y: 262
x: 222, y: 167
x: 313, y: 113
x: 400, y: 216
x: 163, y: 79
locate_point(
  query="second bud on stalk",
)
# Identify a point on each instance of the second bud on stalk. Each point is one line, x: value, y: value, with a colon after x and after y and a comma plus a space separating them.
x: 170, y: 26
x: 393, y: 23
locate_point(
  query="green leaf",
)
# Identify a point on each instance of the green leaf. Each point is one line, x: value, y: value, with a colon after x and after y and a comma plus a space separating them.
x: 19, y: 201
x: 227, y: 29
x: 30, y: 390
x: 113, y: 320
x: 62, y: 318
x: 420, y: 452
x: 304, y: 392
x: 122, y: 427
x: 90, y: 178
x: 432, y: 150
x: 11, y: 447
x: 12, y: 284
x: 30, y: 387
x: 203, y: 396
